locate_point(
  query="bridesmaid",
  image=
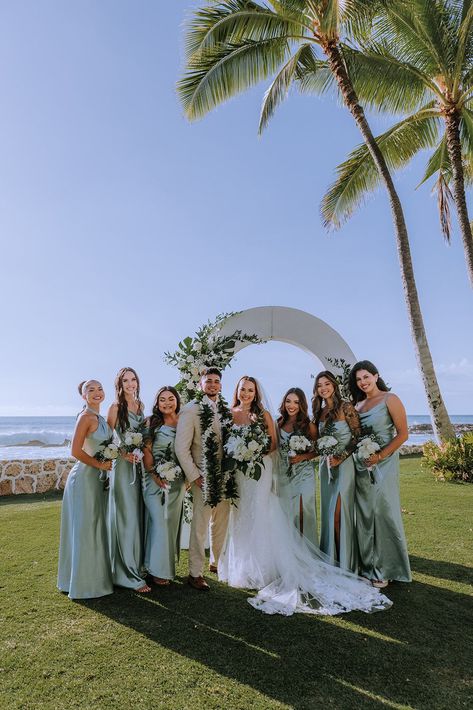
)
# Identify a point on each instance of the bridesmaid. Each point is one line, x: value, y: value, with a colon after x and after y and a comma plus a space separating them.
x: 163, y: 522
x: 84, y: 566
x: 298, y: 488
x: 337, y: 485
x: 381, y: 540
x: 126, y: 501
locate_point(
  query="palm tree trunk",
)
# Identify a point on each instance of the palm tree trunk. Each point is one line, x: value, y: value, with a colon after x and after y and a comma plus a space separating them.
x: 442, y: 426
x: 452, y: 121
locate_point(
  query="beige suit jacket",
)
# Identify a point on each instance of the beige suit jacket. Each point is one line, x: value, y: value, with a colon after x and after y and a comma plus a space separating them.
x: 188, y: 445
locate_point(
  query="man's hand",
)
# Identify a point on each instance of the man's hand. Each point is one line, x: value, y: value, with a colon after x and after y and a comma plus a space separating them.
x: 199, y: 482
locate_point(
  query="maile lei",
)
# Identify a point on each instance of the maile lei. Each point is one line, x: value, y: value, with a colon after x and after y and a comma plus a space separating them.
x: 217, y: 485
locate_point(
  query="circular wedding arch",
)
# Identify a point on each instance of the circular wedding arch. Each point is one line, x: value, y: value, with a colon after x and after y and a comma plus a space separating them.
x: 293, y: 326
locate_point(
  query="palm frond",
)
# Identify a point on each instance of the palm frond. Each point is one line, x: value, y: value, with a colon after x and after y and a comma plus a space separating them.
x: 411, y: 28
x: 215, y: 75
x: 220, y: 21
x: 466, y: 131
x: 465, y: 40
x: 279, y: 88
x: 439, y: 162
x: 358, y: 175
x: 313, y: 74
x: 444, y: 201
x: 384, y: 82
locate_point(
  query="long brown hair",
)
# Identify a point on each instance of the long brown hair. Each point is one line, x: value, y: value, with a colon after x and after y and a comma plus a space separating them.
x: 256, y: 408
x: 156, y: 419
x: 358, y: 395
x: 120, y: 399
x: 318, y: 401
x: 302, y: 418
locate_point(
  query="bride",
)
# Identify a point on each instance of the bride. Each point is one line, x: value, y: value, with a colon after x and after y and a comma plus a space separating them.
x: 265, y: 551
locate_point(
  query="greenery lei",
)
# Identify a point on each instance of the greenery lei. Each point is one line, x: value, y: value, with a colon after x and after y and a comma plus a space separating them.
x: 217, y: 484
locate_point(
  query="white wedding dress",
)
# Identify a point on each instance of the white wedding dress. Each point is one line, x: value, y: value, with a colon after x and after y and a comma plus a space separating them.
x: 265, y: 551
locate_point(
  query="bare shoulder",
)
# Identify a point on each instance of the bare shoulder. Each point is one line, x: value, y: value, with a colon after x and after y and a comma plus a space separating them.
x: 86, y: 422
x: 392, y: 399
x: 113, y: 410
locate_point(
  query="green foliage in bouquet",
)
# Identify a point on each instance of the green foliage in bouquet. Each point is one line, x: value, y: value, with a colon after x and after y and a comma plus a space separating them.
x: 452, y: 461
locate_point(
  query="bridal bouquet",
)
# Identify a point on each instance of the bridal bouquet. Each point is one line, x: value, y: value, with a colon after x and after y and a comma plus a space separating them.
x: 245, y: 447
x: 368, y: 444
x: 295, y: 445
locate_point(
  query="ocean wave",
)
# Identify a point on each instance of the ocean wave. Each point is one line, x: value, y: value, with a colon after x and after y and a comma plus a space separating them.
x: 36, y: 438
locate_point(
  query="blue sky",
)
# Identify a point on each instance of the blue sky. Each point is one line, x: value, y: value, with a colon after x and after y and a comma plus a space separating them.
x: 124, y: 227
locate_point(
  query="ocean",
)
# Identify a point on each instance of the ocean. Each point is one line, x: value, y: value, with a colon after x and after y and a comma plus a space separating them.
x: 50, y: 437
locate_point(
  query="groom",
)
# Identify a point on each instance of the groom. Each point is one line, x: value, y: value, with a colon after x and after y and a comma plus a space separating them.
x: 188, y: 449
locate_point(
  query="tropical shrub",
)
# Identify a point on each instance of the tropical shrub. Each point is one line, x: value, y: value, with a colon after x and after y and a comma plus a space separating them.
x: 451, y: 461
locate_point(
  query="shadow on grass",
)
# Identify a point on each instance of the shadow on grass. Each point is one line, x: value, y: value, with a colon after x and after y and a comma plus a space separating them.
x: 414, y: 655
x: 31, y: 498
x: 442, y: 570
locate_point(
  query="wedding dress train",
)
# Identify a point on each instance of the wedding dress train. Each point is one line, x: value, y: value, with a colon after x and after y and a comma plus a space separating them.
x: 265, y: 551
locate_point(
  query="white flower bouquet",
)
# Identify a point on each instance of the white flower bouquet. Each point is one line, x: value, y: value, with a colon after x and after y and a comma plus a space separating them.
x: 132, y: 442
x: 108, y: 450
x: 245, y: 447
x: 168, y: 470
x: 368, y: 444
x: 295, y: 445
x: 328, y: 445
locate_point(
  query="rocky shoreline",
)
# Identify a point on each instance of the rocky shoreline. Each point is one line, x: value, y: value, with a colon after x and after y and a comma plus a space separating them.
x: 23, y: 476
x: 426, y: 429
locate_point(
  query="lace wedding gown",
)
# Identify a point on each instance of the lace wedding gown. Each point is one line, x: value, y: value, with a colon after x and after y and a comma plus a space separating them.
x: 265, y: 551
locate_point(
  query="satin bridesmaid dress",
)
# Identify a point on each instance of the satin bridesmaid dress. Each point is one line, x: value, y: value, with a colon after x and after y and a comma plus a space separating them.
x: 298, y: 494
x: 381, y: 540
x: 339, y: 485
x: 84, y: 570
x: 163, y: 521
x: 126, y: 518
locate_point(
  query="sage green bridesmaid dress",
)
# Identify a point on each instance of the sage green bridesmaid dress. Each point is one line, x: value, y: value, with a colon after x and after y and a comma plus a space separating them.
x: 340, y: 484
x: 84, y: 570
x: 163, y: 521
x: 381, y: 540
x: 126, y: 518
x: 298, y: 494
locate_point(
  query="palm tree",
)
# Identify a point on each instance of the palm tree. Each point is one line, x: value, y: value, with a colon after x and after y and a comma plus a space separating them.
x: 420, y: 60
x: 233, y: 44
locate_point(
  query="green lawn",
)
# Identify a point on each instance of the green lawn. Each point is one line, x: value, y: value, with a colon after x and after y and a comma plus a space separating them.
x: 179, y: 648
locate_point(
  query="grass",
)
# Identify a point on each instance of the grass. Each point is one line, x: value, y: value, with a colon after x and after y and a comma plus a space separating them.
x: 178, y: 648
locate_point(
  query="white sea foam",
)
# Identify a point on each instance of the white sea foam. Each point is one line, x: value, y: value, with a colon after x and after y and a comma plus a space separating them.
x: 36, y: 438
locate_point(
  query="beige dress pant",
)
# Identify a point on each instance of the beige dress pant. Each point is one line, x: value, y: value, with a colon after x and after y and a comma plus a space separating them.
x: 202, y: 515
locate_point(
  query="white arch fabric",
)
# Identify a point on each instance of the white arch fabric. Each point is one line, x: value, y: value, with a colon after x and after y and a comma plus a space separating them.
x: 290, y: 325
